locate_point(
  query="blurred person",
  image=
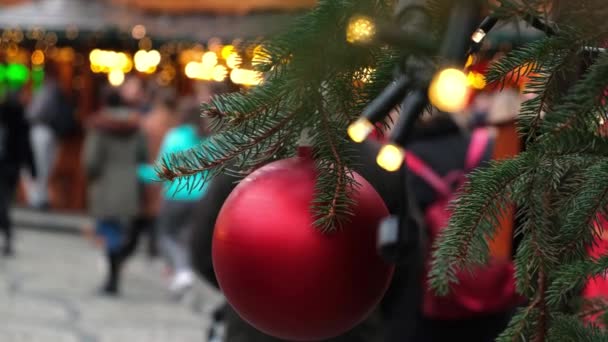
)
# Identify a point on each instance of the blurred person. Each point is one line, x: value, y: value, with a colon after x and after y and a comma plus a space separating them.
x: 15, y: 152
x: 113, y: 149
x: 51, y: 117
x: 179, y: 200
x: 155, y: 126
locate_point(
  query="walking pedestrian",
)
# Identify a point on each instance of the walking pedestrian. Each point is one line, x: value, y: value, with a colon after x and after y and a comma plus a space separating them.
x: 15, y: 152
x: 113, y: 149
x: 179, y: 200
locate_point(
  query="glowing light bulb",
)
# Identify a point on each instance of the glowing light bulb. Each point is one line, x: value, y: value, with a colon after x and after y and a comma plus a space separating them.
x: 360, y: 129
x: 478, y: 35
x: 390, y: 157
x: 38, y: 57
x: 449, y: 90
x: 360, y: 29
x: 116, y: 77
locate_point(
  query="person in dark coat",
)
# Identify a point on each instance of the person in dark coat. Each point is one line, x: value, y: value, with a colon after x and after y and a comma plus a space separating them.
x: 15, y: 152
x: 113, y: 149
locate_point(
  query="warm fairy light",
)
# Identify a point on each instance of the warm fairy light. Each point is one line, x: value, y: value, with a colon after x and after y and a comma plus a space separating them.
x: 219, y: 73
x: 448, y: 90
x: 146, y: 61
x: 234, y: 60
x: 209, y: 59
x: 193, y: 69
x: 478, y: 35
x: 390, y: 157
x: 245, y: 77
x: 360, y: 129
x: 124, y: 62
x: 38, y: 57
x: 361, y: 29
x: 104, y: 61
x: 138, y: 31
x: 116, y: 77
x: 227, y: 51
x: 476, y: 80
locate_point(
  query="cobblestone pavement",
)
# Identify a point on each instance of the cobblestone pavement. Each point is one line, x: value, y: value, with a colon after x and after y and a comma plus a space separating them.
x: 48, y: 294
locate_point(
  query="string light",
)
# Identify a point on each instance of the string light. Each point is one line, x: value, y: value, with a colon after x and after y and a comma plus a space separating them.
x: 360, y: 129
x: 390, y: 157
x: 360, y: 30
x: 116, y: 77
x: 478, y: 35
x: 449, y: 90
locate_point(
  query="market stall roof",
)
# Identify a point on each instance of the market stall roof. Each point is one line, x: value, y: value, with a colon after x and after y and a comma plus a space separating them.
x: 95, y: 15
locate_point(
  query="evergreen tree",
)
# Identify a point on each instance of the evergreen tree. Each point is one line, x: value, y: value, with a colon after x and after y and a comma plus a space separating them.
x: 315, y: 79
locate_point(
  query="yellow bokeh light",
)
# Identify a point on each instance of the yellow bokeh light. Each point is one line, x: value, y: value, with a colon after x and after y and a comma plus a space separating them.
x: 124, y: 62
x: 227, y: 51
x: 361, y: 29
x: 154, y: 57
x: 390, y: 157
x: 94, y: 56
x: 38, y: 57
x: 234, y: 61
x: 449, y: 90
x: 219, y: 73
x: 193, y: 69
x: 209, y: 59
x: 246, y: 77
x: 96, y: 68
x: 116, y: 77
x: 360, y: 129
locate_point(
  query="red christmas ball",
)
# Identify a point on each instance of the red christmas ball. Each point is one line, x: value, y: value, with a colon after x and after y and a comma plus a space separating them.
x: 283, y: 276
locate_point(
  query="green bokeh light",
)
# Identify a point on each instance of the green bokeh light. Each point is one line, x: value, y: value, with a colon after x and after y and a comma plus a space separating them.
x: 17, y: 74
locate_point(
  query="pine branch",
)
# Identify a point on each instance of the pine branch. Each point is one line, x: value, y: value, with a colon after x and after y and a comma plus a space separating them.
x: 475, y: 219
x: 573, y: 276
x: 570, y: 328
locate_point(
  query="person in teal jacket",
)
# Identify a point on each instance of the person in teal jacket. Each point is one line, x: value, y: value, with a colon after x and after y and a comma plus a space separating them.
x: 179, y: 200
